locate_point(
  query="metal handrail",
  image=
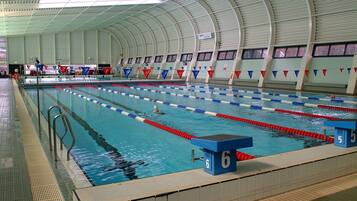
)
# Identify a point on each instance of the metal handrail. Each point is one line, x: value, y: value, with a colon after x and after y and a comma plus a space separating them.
x: 67, y: 127
x: 49, y: 123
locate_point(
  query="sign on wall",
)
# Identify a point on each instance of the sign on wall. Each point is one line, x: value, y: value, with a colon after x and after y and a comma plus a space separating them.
x: 204, y: 36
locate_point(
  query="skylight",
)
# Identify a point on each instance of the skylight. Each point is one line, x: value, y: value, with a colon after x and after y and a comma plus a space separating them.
x: 85, y: 3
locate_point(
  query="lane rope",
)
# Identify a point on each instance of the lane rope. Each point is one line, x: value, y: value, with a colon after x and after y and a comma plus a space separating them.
x: 240, y: 155
x: 282, y: 95
x: 254, y: 107
x: 288, y: 130
x: 297, y: 103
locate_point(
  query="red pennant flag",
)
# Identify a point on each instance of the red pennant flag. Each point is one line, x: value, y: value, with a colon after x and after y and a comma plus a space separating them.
x: 237, y: 73
x: 307, y: 72
x: 285, y: 72
x: 263, y: 73
x: 147, y: 72
x: 324, y: 71
x: 180, y: 72
x: 210, y: 73
x: 355, y: 69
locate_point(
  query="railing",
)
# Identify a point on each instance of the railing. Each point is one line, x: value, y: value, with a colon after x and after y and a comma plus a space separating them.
x: 67, y: 127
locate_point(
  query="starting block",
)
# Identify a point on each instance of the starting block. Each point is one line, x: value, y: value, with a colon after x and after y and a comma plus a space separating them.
x: 345, y: 132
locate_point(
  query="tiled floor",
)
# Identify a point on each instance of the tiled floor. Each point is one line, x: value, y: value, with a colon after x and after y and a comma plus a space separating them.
x: 14, y: 179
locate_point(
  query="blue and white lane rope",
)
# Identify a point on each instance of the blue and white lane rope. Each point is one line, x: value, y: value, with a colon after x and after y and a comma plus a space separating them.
x: 278, y: 94
x: 240, y: 155
x: 255, y: 107
x: 284, y: 129
x: 303, y: 104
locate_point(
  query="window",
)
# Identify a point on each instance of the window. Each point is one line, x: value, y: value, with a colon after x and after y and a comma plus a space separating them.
x: 226, y: 55
x: 335, y: 49
x: 147, y: 60
x: 260, y: 53
x: 130, y: 60
x: 351, y: 49
x: 289, y: 52
x: 204, y: 56
x: 186, y: 57
x: 158, y: 59
x: 137, y: 60
x: 171, y: 58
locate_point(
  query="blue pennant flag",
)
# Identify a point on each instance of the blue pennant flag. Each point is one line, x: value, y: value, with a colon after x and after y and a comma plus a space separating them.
x: 85, y: 70
x: 164, y: 73
x: 296, y: 72
x: 348, y: 70
x: 250, y: 73
x: 274, y: 73
x: 127, y: 72
x: 195, y: 73
x: 315, y: 72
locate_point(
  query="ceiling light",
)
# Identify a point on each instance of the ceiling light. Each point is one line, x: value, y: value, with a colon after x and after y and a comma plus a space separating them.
x: 86, y: 3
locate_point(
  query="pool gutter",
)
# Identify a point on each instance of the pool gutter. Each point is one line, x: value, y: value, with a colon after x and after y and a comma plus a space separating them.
x: 254, y: 179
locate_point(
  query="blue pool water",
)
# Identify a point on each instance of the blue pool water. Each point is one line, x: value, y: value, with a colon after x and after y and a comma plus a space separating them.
x: 112, y: 148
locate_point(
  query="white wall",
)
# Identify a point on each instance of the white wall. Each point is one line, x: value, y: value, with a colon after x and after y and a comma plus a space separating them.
x: 88, y: 47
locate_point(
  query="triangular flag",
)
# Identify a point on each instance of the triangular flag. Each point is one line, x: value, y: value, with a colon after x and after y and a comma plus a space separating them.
x: 307, y: 72
x: 315, y: 72
x: 210, y: 73
x: 180, y: 72
x: 296, y: 72
x: 127, y: 72
x: 147, y: 72
x: 85, y: 70
x: 237, y: 73
x: 355, y: 69
x: 341, y: 69
x: 195, y: 73
x: 274, y: 73
x: 348, y: 70
x: 164, y: 73
x: 324, y: 71
x: 263, y: 73
x: 285, y: 72
x: 250, y: 73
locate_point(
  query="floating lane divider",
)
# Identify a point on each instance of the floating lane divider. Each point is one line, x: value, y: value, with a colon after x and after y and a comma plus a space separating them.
x: 288, y: 130
x: 329, y: 107
x: 240, y: 155
x: 255, y: 107
x: 281, y: 95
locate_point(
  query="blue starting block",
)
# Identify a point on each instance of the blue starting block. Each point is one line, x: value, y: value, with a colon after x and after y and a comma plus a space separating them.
x: 345, y: 132
x: 220, y: 151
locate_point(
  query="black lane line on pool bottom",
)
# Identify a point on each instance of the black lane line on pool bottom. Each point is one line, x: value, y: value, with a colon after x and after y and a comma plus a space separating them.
x: 120, y: 163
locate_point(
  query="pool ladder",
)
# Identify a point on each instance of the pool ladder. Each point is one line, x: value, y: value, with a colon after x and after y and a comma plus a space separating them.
x: 67, y: 128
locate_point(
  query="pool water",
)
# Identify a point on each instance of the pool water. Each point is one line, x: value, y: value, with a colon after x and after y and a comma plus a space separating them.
x: 111, y: 147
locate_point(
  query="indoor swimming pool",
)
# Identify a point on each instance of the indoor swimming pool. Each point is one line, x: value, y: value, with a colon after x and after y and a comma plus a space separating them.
x: 119, y: 137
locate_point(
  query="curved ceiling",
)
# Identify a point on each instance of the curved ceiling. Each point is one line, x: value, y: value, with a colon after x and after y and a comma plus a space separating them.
x: 172, y: 26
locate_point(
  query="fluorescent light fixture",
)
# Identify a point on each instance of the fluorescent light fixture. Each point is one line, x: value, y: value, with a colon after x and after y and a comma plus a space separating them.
x: 86, y: 3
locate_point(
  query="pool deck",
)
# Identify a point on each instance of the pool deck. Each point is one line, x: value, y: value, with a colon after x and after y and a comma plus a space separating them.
x: 256, y: 179
x: 14, y: 178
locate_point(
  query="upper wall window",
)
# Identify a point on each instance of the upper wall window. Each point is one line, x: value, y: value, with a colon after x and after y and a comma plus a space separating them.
x: 171, y: 58
x: 351, y: 49
x: 158, y: 59
x: 204, y: 56
x: 138, y: 60
x: 335, y: 49
x: 186, y: 57
x: 259, y: 53
x: 130, y: 60
x: 147, y: 59
x: 226, y: 55
x: 289, y: 52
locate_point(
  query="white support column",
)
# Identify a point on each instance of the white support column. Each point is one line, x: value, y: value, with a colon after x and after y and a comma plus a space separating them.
x: 212, y: 64
x: 352, y: 80
x: 305, y: 64
x: 97, y: 45
x: 176, y: 65
x: 192, y: 64
x: 162, y: 65
x: 69, y: 48
x: 84, y: 46
x: 236, y: 66
x: 24, y: 51
x: 54, y: 49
